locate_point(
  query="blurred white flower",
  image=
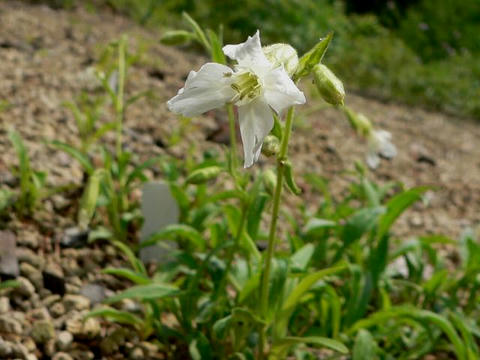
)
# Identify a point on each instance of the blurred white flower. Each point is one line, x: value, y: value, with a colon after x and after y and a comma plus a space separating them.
x: 379, y: 143
x: 255, y: 85
x: 282, y: 54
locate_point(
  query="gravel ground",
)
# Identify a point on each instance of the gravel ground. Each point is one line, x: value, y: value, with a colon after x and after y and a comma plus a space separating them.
x: 46, y: 57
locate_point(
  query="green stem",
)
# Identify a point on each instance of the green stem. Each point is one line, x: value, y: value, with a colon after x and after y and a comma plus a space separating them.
x: 281, y: 158
x: 119, y: 103
x: 233, y: 136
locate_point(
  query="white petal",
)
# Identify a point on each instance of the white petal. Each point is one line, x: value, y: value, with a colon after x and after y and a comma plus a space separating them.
x: 373, y: 159
x: 249, y: 54
x: 280, y: 91
x: 256, y: 122
x: 388, y: 150
x: 207, y: 89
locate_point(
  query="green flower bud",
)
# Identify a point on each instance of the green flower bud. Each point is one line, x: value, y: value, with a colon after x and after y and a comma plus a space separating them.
x: 359, y: 122
x: 271, y: 146
x: 269, y: 181
x: 282, y: 54
x: 176, y: 37
x: 328, y: 85
x: 203, y: 175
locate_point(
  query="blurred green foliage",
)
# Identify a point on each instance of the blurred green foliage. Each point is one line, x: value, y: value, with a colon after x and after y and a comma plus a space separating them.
x: 422, y: 55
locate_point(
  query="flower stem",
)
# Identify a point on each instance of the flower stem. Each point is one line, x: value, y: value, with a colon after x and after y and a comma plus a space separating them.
x: 119, y: 103
x: 281, y: 158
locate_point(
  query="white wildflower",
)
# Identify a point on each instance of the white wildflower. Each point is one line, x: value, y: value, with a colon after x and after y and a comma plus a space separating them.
x: 255, y: 85
x: 379, y: 143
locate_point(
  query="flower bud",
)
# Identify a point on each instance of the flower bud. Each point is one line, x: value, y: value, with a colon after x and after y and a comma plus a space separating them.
x: 271, y: 146
x: 359, y: 122
x: 176, y: 37
x: 202, y: 175
x: 269, y: 181
x: 282, y: 54
x: 328, y: 85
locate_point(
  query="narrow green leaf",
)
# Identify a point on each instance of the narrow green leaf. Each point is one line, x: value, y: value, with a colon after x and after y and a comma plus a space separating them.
x: 290, y: 180
x: 364, y: 347
x: 76, y: 154
x: 283, y: 345
x: 300, y: 259
x: 88, y: 203
x: 118, y: 316
x: 129, y: 274
x: 153, y: 291
x: 136, y: 264
x: 176, y: 230
x: 201, y: 38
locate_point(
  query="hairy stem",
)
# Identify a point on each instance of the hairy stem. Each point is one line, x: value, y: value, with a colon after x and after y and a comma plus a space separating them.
x: 281, y: 158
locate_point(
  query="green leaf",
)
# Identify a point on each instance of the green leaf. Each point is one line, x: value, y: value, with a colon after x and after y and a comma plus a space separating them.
x: 153, y: 291
x: 136, y: 264
x: 300, y: 259
x: 359, y: 223
x: 307, y: 282
x: 396, y: 206
x: 118, y: 316
x: 281, y: 347
x: 129, y: 274
x: 88, y: 203
x: 137, y: 172
x: 176, y: 37
x: 312, y: 57
x: 364, y: 347
x: 289, y: 179
x: 9, y: 284
x: 76, y: 154
x: 200, y: 35
x: 220, y: 327
x: 173, y: 231
x: 216, y: 48
x: 316, y: 224
x: 202, y: 175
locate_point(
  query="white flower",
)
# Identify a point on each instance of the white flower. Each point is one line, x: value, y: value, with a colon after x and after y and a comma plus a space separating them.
x: 282, y: 54
x: 255, y: 85
x: 379, y: 143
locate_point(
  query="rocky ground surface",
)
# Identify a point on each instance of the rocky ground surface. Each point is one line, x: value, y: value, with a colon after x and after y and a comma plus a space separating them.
x: 46, y: 59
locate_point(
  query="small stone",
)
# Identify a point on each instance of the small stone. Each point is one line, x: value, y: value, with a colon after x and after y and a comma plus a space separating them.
x: 20, y: 351
x: 83, y: 329
x: 32, y: 274
x: 10, y: 325
x: 64, y: 340
x: 82, y: 354
x: 30, y: 344
x: 31, y: 357
x: 57, y: 310
x: 28, y: 238
x: 51, y: 299
x: 49, y: 348
x: 25, y: 288
x: 8, y: 258
x: 5, y: 349
x: 74, y: 237
x: 137, y: 354
x: 40, y: 314
x: 42, y: 331
x: 113, y: 341
x: 27, y: 255
x: 76, y: 302
x: 94, y: 292
x: 4, y: 305
x: 53, y: 279
x: 62, y: 356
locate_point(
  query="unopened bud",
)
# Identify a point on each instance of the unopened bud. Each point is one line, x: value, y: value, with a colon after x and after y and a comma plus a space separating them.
x: 359, y: 122
x: 271, y: 146
x: 329, y: 86
x: 176, y: 37
x: 282, y: 54
x: 269, y: 181
x: 203, y: 175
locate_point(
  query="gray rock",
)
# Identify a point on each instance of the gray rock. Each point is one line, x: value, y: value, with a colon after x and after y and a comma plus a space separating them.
x: 83, y: 329
x: 57, y: 309
x: 10, y: 325
x: 42, y: 331
x: 5, y: 349
x: 50, y: 300
x: 136, y: 354
x: 64, y: 340
x: 159, y: 209
x: 76, y: 302
x: 8, y: 257
x: 62, y: 356
x: 27, y: 255
x: 32, y: 274
x: 53, y: 279
x: 25, y: 288
x: 4, y: 305
x: 94, y: 292
x: 74, y: 237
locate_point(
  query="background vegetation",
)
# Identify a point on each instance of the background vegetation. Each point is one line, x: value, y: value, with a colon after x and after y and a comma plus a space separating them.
x: 413, y: 51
